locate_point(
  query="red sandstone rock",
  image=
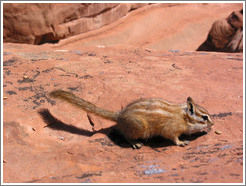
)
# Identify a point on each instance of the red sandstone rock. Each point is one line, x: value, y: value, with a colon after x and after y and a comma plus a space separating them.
x: 225, y: 35
x: 158, y: 26
x: 111, y: 77
x: 37, y: 23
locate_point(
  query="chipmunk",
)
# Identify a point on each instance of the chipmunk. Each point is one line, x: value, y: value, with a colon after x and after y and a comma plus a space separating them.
x: 145, y: 118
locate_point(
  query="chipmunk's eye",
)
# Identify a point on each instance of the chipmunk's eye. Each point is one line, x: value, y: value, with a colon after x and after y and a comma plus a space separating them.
x: 205, y: 118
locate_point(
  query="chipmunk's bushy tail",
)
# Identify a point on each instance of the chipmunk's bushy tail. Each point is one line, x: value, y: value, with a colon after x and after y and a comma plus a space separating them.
x: 85, y: 105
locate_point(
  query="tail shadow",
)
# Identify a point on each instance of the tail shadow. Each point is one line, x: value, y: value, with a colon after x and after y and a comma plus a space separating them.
x: 56, y: 124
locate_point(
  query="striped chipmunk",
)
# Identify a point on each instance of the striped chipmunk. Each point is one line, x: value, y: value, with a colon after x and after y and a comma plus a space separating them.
x: 145, y: 118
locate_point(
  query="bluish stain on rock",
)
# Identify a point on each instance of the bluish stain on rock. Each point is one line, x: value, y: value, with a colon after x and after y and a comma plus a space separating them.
x: 226, y: 147
x: 174, y: 51
x: 213, y: 159
x: 153, y: 171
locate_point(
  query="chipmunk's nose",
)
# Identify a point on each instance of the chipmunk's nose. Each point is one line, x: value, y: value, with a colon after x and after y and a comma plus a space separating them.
x: 210, y: 124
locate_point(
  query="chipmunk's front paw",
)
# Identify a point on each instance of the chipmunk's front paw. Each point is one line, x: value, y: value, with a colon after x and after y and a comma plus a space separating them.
x: 137, y: 145
x: 183, y: 143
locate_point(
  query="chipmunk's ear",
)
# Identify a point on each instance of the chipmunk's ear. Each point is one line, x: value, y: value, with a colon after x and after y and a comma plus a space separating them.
x: 190, y: 105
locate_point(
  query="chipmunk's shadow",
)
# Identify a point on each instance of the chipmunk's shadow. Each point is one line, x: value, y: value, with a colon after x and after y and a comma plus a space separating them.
x: 114, y: 135
x: 56, y: 124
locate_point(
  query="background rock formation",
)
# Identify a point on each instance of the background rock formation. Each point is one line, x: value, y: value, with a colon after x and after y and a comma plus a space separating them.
x: 37, y: 23
x: 225, y: 35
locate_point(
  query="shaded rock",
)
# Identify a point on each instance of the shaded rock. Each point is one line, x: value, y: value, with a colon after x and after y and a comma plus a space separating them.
x: 225, y: 35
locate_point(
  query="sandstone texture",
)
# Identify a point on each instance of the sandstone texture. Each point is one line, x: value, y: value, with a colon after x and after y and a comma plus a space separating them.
x: 37, y: 23
x: 49, y: 141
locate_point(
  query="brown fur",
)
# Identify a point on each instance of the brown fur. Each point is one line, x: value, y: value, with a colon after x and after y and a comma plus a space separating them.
x: 225, y: 35
x: 145, y: 118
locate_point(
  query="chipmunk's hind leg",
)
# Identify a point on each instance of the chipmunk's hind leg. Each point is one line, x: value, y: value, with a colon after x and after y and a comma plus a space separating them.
x: 132, y: 129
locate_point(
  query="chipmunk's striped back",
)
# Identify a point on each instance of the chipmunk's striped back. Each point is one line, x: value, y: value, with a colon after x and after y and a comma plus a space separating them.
x: 154, y: 105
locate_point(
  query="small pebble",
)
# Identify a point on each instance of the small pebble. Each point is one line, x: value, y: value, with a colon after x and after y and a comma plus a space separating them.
x: 61, y: 138
x: 25, y: 77
x: 4, y: 98
x: 217, y: 132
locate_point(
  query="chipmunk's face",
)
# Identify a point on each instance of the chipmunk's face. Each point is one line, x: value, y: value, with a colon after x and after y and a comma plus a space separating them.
x: 198, y: 118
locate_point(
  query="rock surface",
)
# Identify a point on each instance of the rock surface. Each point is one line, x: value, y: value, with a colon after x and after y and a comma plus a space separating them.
x: 38, y: 23
x: 49, y: 141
